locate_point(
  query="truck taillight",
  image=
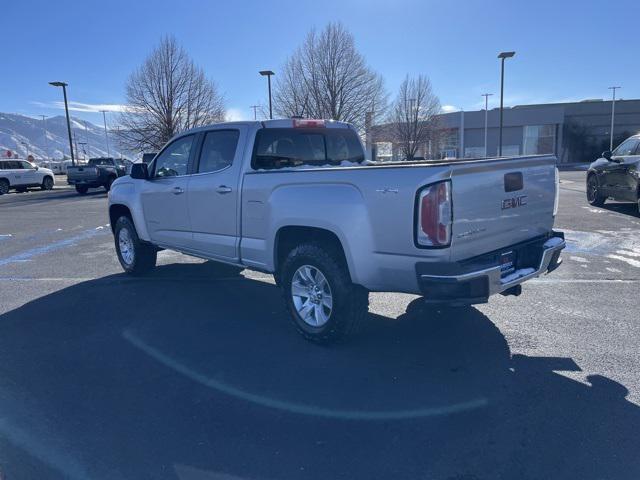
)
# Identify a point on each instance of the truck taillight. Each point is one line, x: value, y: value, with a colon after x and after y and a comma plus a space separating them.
x: 307, y: 123
x: 434, y: 215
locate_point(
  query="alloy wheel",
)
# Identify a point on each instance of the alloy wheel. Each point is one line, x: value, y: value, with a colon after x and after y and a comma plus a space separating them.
x: 311, y: 294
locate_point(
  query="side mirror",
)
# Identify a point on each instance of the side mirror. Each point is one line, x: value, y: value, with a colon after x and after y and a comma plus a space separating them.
x: 37, y: 167
x: 140, y: 171
x: 606, y: 155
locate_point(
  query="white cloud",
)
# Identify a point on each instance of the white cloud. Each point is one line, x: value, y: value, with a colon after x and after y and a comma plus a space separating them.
x: 235, y: 115
x: 449, y: 108
x: 83, y: 107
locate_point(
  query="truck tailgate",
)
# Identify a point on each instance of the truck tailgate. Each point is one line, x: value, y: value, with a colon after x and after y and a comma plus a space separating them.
x: 82, y: 173
x: 500, y: 203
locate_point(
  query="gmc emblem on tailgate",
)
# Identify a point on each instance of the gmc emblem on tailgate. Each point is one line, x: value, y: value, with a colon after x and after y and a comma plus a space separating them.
x: 514, y: 202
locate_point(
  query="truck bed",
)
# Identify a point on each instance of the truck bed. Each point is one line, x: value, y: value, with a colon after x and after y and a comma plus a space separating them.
x: 374, y: 206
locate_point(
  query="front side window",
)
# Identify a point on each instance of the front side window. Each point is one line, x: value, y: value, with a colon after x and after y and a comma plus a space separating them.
x: 174, y: 159
x: 218, y: 150
x: 626, y: 148
x: 26, y: 165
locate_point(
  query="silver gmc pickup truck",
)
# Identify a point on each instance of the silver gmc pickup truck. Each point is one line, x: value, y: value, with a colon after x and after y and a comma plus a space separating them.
x: 296, y: 198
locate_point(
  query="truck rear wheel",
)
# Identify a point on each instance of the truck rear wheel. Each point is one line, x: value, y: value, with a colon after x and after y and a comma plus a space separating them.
x: 323, y: 303
x: 4, y: 186
x: 82, y: 189
x: 135, y: 256
x: 107, y: 186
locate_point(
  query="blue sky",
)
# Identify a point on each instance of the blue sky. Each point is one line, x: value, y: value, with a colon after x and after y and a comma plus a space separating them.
x: 566, y: 50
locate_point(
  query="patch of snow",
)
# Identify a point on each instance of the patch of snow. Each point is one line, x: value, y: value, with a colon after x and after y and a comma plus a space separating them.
x: 579, y: 259
x: 628, y: 253
x: 630, y: 261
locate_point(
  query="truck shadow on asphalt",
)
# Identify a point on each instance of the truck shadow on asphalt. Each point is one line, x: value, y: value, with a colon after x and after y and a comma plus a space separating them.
x: 184, y: 375
x: 630, y: 209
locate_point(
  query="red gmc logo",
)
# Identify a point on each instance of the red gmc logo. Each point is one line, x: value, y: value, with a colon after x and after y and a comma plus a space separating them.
x: 514, y: 202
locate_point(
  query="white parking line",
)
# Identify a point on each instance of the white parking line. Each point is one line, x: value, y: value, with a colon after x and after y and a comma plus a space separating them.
x: 34, y: 252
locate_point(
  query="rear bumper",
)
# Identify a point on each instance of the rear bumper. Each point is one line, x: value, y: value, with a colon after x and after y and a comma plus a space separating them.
x: 468, y: 284
x: 82, y: 182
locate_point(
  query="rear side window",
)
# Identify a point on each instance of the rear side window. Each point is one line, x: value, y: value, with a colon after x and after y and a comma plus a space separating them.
x: 218, y: 150
x: 291, y: 147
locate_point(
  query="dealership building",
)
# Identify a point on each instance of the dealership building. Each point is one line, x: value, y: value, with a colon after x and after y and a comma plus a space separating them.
x: 574, y: 132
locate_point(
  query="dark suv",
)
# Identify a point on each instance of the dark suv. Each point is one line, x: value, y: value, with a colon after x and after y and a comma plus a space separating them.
x: 615, y: 174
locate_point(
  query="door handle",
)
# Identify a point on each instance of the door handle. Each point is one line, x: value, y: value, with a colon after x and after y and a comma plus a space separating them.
x: 177, y: 190
x: 222, y: 189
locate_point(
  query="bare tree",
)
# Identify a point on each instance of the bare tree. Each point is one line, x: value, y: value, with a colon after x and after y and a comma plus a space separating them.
x: 328, y: 78
x: 414, y: 115
x: 166, y: 95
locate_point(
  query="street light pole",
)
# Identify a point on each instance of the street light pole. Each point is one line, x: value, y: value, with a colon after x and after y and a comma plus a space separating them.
x: 268, y: 73
x: 46, y: 140
x: 66, y: 109
x: 502, y: 56
x: 86, y: 135
x: 106, y: 137
x: 486, y: 120
x: 613, y: 114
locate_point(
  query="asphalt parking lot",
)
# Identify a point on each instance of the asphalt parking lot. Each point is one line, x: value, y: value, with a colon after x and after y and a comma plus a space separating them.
x: 190, y: 374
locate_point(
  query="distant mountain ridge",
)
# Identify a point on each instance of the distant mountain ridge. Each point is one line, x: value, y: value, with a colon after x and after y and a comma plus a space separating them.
x: 17, y: 130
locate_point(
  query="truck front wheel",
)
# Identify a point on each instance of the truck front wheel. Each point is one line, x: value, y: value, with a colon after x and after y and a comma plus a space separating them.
x: 135, y: 256
x: 323, y: 303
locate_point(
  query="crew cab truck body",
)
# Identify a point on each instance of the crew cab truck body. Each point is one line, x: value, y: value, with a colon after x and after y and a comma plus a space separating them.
x: 296, y: 199
x: 99, y: 172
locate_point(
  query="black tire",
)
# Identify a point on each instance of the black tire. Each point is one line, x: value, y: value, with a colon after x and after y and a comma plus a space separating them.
x: 47, y: 183
x: 349, y: 302
x: 82, y: 189
x: 144, y: 255
x: 4, y: 186
x: 594, y: 197
x: 107, y: 186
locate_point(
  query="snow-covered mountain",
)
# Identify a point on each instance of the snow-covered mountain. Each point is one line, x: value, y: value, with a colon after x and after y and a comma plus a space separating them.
x: 17, y: 130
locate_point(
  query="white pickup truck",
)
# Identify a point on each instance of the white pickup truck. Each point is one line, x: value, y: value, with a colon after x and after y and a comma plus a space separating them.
x: 297, y: 199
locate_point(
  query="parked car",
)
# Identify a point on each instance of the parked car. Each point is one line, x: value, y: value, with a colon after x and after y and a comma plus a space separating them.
x: 616, y: 174
x: 20, y: 175
x: 294, y: 198
x: 98, y: 172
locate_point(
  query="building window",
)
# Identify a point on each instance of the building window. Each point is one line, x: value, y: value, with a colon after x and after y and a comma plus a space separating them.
x: 510, y: 150
x: 384, y: 151
x: 474, y: 152
x: 539, y: 139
